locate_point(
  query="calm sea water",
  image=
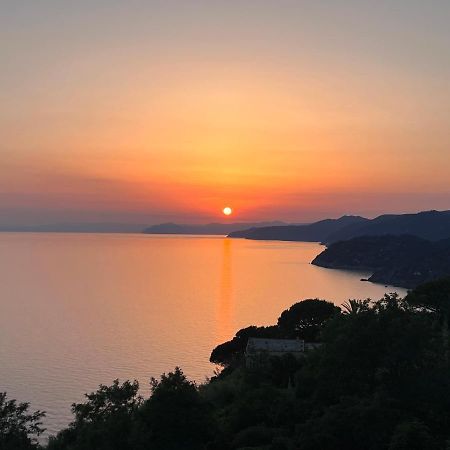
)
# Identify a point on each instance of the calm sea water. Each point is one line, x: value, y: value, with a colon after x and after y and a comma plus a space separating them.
x: 77, y: 310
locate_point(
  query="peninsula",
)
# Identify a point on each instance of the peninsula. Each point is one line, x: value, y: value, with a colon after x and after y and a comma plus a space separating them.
x: 404, y: 261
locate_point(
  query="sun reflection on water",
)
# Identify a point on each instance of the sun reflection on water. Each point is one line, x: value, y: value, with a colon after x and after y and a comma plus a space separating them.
x: 225, y: 304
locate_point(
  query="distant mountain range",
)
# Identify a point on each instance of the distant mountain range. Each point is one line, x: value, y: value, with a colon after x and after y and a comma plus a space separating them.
x: 94, y: 227
x: 430, y: 225
x: 210, y: 228
x: 313, y: 232
x: 405, y: 260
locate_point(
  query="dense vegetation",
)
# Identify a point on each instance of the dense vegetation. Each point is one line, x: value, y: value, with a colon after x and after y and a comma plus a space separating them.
x: 380, y: 380
x: 405, y: 260
x: 19, y: 428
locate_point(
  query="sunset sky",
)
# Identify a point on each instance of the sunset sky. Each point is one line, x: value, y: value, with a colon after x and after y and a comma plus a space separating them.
x: 155, y: 111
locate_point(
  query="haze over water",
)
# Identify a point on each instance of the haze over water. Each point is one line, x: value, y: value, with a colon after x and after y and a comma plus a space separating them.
x: 77, y: 310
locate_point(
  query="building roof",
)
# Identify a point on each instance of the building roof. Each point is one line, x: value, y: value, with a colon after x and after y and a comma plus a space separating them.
x: 275, y: 345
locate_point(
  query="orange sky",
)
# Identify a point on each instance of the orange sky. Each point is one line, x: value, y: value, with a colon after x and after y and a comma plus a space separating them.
x: 154, y: 113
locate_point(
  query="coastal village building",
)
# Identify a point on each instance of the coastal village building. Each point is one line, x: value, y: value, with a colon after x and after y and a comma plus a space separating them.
x: 259, y: 349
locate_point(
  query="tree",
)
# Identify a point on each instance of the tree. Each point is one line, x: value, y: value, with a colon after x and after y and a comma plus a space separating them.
x: 102, y: 422
x: 18, y: 427
x: 306, y: 318
x: 107, y: 401
x: 412, y: 435
x: 174, y: 417
x: 434, y: 296
x: 352, y: 307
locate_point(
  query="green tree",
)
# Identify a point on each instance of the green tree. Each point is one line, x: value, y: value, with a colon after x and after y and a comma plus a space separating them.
x: 434, y: 296
x: 412, y: 435
x: 108, y: 401
x: 174, y: 417
x: 306, y: 318
x: 104, y: 421
x: 353, y: 306
x: 19, y: 428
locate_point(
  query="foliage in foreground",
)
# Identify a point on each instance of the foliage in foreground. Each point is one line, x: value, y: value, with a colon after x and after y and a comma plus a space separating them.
x: 379, y: 381
x: 19, y: 428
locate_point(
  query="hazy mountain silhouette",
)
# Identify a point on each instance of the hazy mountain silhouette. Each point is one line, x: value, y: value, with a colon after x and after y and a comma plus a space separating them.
x: 431, y: 225
x: 210, y: 228
x: 313, y: 232
x: 94, y: 227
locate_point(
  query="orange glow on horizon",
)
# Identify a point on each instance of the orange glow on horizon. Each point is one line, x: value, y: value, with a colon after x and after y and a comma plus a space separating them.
x: 264, y: 141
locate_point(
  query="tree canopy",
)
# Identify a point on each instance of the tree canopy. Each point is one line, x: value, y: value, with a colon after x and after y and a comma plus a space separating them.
x: 19, y: 428
x: 306, y: 318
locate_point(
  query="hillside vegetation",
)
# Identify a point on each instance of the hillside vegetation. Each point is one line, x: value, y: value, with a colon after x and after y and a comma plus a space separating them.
x: 405, y: 261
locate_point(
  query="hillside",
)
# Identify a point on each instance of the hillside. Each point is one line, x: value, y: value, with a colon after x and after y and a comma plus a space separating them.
x: 314, y: 232
x: 430, y: 225
x: 404, y: 261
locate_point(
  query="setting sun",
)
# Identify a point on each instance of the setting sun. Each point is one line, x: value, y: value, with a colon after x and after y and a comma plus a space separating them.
x: 227, y: 211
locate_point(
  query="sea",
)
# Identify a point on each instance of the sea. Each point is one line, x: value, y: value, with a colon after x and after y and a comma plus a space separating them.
x: 80, y: 310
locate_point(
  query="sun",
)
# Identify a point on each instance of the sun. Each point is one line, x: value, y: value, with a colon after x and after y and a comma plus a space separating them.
x: 227, y: 211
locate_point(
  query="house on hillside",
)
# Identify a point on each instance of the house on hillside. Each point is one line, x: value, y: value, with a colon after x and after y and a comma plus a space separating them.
x: 259, y: 349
